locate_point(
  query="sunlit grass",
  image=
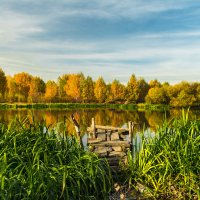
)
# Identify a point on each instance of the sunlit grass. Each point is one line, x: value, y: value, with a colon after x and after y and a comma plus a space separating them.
x: 168, y: 165
x: 36, y: 163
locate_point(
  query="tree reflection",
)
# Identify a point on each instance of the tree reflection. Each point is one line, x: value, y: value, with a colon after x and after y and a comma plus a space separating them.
x: 117, y: 118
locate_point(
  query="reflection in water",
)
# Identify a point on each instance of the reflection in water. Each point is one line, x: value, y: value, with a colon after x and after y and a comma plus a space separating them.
x: 145, y: 121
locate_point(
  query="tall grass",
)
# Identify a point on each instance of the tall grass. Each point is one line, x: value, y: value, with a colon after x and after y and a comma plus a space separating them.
x: 168, y: 165
x: 38, y: 164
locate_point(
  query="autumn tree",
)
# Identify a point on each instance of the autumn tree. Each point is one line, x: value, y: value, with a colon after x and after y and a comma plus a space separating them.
x: 51, y: 91
x: 117, y: 91
x: 74, y: 85
x: 87, y: 90
x: 100, y: 90
x: 165, y: 84
x: 23, y: 82
x: 37, y: 89
x: 132, y: 90
x: 154, y: 83
x: 3, y: 83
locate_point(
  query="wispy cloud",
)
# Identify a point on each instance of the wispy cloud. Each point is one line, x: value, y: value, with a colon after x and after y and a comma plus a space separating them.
x: 153, y: 39
x: 16, y: 26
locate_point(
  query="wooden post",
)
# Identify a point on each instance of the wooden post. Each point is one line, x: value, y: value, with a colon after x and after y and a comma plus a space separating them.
x: 93, y: 128
x: 76, y: 125
x: 130, y: 130
x: 77, y: 128
x: 108, y: 135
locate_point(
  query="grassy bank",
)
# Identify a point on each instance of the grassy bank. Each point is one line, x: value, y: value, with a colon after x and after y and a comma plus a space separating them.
x: 82, y: 106
x: 38, y: 164
x: 168, y: 165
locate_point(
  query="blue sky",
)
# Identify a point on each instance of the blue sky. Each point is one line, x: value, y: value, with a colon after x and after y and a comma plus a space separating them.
x: 110, y: 38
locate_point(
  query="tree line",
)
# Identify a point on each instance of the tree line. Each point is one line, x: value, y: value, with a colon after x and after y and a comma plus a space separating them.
x: 23, y: 87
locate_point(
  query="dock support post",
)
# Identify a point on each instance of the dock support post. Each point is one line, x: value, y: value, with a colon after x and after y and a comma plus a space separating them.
x: 93, y: 128
x: 130, y: 130
x: 77, y: 128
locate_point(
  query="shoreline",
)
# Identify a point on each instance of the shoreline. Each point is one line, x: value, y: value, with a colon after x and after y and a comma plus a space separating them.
x: 122, y: 106
x: 136, y: 107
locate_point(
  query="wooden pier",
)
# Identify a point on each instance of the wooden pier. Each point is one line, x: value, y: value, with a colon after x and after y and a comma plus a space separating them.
x: 110, y: 142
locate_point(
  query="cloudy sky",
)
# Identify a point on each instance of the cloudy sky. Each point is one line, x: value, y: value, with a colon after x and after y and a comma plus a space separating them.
x: 110, y: 38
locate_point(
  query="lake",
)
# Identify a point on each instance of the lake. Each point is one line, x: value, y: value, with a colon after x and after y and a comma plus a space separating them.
x: 147, y: 121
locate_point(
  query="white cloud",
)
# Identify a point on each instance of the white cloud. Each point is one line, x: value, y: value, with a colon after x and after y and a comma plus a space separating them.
x: 136, y: 9
x: 16, y: 26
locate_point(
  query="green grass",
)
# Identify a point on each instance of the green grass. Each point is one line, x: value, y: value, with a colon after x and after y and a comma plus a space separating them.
x: 153, y: 107
x: 83, y: 106
x: 168, y: 165
x: 38, y: 164
x: 66, y: 106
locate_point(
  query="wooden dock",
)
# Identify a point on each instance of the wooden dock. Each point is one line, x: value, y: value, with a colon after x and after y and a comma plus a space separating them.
x: 110, y: 142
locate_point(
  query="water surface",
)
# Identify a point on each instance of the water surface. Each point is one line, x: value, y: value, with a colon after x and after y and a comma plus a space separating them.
x: 147, y: 121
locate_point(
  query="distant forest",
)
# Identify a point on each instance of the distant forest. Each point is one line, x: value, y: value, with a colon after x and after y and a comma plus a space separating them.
x: 23, y: 87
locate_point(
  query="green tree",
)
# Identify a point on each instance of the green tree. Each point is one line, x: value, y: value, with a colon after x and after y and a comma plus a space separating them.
x: 62, y: 81
x: 143, y: 89
x: 183, y: 94
x: 3, y: 83
x: 11, y: 89
x: 37, y: 89
x: 108, y: 94
x: 156, y: 95
x: 185, y: 98
x: 198, y: 93
x: 87, y: 90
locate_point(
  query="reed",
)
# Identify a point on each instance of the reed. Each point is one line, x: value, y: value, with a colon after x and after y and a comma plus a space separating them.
x: 37, y: 163
x: 168, y: 165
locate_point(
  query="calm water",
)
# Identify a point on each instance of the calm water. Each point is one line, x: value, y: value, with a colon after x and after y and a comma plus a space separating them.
x: 147, y: 121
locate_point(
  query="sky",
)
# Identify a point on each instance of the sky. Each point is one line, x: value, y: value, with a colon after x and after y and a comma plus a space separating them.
x: 153, y: 39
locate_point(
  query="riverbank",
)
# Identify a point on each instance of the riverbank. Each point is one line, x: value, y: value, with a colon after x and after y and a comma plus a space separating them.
x: 83, y: 106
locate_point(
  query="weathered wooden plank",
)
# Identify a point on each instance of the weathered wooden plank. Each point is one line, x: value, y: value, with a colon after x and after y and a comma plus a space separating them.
x: 111, y: 128
x: 101, y: 135
x: 100, y: 151
x: 117, y: 148
x: 114, y: 136
x: 94, y: 140
x: 111, y: 143
x: 117, y: 154
x: 108, y: 128
x: 101, y: 148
